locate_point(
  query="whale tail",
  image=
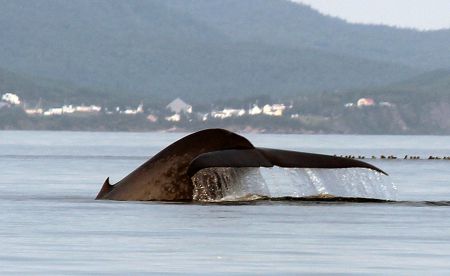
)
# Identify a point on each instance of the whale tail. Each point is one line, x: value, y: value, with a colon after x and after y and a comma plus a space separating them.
x: 264, y: 157
x: 106, y: 188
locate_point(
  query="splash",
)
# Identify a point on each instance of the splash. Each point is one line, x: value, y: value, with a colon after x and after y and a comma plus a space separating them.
x: 229, y: 184
x: 236, y: 184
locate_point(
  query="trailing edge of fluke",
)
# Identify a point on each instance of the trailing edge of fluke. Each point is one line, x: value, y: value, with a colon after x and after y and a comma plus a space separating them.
x: 167, y: 175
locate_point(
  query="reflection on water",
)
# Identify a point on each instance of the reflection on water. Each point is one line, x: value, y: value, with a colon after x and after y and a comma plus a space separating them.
x: 51, y: 224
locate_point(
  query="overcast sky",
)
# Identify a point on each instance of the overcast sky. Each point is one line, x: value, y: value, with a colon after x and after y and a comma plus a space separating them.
x: 419, y: 14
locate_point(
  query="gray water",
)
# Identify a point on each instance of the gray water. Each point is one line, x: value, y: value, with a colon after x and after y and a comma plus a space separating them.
x: 50, y: 224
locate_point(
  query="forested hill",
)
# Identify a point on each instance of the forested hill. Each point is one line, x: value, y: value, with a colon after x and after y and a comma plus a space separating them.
x: 48, y: 92
x: 284, y: 23
x: 434, y: 81
x: 430, y: 86
x: 203, y: 50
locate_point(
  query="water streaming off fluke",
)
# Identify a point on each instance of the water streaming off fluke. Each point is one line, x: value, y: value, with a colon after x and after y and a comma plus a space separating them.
x: 234, y: 184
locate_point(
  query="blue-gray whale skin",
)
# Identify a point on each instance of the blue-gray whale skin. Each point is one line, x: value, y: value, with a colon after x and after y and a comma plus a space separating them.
x: 167, y: 175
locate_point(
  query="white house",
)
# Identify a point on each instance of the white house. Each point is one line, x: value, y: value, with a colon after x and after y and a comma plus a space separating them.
x: 68, y: 109
x: 174, y: 118
x: 53, y: 111
x: 227, y: 112
x: 34, y: 111
x: 178, y: 106
x: 255, y: 110
x: 88, y: 109
x: 139, y: 109
x: 11, y: 98
x: 274, y: 109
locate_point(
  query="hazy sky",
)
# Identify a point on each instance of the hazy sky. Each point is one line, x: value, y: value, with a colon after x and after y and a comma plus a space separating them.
x: 420, y: 14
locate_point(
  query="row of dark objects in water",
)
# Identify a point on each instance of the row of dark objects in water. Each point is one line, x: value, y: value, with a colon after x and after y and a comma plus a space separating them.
x: 406, y: 157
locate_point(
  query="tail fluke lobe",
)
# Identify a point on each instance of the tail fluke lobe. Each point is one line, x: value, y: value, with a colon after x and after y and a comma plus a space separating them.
x: 106, y: 188
x: 294, y: 159
x: 264, y: 157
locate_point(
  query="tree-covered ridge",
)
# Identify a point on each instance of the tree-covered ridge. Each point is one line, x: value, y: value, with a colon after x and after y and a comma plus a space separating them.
x: 433, y: 81
x: 284, y: 23
x: 203, y: 50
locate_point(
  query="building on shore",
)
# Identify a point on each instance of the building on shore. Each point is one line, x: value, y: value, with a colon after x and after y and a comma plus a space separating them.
x: 274, y: 109
x: 34, y: 111
x: 254, y: 110
x: 11, y: 98
x: 138, y: 110
x: 174, y: 118
x: 363, y: 102
x: 178, y: 106
x: 67, y: 109
x: 227, y: 113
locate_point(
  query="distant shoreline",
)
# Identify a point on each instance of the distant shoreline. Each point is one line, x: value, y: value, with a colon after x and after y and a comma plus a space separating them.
x: 239, y: 130
x: 372, y: 120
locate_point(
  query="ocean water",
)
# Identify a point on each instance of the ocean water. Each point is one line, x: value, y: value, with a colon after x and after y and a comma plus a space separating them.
x: 51, y: 224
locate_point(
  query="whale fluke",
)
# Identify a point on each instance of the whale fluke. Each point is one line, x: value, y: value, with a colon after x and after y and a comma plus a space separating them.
x: 167, y: 175
x: 164, y: 177
x: 265, y: 157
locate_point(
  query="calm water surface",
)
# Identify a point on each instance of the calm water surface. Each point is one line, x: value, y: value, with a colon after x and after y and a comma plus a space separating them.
x: 50, y: 224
